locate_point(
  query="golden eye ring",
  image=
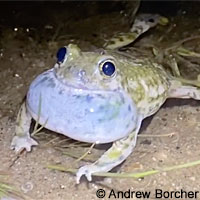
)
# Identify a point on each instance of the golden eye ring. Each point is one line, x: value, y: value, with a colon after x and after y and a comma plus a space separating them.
x: 107, y: 68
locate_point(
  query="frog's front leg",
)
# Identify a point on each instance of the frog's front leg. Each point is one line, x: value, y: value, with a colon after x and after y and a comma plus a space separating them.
x: 22, y: 139
x: 119, y: 151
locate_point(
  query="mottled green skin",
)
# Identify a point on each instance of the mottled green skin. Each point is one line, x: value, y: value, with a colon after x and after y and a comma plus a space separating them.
x: 142, y: 23
x: 145, y: 81
x: 138, y: 79
x: 142, y: 79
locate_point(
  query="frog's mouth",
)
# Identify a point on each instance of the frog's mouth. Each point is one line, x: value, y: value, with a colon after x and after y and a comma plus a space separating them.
x: 82, y: 114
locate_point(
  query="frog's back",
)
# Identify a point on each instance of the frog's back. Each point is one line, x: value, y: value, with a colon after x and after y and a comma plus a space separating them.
x: 145, y: 81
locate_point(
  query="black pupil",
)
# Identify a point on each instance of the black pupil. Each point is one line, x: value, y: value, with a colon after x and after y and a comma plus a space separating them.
x: 151, y: 20
x: 108, y: 68
x: 61, y: 54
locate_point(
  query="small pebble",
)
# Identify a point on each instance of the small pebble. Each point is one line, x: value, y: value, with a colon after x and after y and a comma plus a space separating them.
x: 27, y: 187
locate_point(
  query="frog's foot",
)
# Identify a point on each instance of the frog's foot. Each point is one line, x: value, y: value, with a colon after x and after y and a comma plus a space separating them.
x: 99, y: 166
x: 86, y: 170
x: 20, y: 143
x: 119, y: 151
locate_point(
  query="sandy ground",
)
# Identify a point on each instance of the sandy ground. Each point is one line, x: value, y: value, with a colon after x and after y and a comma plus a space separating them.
x: 22, y: 58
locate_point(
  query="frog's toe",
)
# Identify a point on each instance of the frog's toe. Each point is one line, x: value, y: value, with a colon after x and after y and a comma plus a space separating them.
x: 85, y: 170
x: 19, y: 143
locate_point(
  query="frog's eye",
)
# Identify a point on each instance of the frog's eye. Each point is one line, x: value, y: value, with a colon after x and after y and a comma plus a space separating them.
x: 151, y: 20
x: 107, y: 68
x: 61, y: 54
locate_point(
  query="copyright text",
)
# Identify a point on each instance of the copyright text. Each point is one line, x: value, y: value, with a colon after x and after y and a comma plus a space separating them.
x: 158, y: 194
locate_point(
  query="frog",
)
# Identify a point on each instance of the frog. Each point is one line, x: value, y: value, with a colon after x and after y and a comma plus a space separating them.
x: 142, y: 23
x: 98, y: 97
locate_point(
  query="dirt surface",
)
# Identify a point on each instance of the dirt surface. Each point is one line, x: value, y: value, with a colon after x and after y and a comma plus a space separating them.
x: 25, y: 53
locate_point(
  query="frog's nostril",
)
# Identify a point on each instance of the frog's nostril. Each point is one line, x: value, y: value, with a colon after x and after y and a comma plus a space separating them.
x: 61, y: 55
x: 82, y: 76
x: 81, y: 73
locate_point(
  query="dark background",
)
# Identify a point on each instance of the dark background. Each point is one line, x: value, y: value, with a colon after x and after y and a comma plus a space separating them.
x: 38, y: 13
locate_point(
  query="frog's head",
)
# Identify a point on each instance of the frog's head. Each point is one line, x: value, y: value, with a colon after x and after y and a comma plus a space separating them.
x: 87, y: 70
x: 100, y: 110
x: 146, y: 21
